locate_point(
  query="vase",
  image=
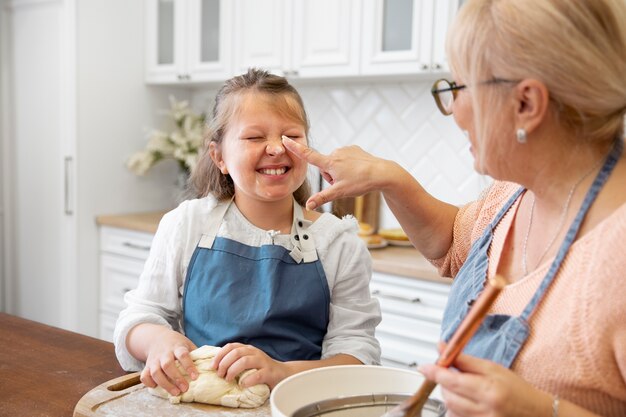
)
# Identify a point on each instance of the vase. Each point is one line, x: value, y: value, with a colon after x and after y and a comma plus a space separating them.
x: 182, y: 191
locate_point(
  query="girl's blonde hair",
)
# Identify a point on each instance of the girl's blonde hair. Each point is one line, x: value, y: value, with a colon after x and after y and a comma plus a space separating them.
x: 207, y: 178
x: 577, y: 48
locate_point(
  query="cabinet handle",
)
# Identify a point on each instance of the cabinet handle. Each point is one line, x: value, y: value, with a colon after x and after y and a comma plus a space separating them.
x: 407, y: 364
x: 396, y: 297
x: 136, y: 246
x: 423, y: 67
x: 67, y: 183
x: 437, y: 66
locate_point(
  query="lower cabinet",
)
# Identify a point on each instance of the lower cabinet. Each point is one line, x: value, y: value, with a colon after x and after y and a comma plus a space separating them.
x: 412, y: 310
x: 123, y: 253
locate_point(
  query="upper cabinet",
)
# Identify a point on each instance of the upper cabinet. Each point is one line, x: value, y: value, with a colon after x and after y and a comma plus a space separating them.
x: 405, y: 36
x: 301, y: 38
x: 192, y: 40
x: 188, y: 40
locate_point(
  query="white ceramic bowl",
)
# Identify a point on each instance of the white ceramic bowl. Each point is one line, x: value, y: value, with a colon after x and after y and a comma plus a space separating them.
x: 339, y: 381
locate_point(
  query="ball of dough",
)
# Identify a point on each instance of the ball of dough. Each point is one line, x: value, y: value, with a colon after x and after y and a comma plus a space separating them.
x: 209, y: 388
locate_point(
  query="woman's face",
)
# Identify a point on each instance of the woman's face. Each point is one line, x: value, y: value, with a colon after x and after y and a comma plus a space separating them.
x: 488, y: 144
x: 253, y: 154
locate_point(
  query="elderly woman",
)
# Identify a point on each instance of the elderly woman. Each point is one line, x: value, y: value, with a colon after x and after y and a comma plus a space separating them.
x: 538, y: 87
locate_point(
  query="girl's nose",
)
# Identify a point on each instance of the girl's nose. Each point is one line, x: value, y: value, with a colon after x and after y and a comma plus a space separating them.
x: 275, y: 148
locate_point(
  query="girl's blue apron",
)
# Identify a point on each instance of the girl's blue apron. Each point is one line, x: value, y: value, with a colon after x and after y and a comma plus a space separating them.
x: 501, y: 337
x: 267, y: 296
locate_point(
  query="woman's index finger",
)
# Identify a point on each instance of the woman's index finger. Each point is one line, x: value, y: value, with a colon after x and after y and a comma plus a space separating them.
x: 304, y: 152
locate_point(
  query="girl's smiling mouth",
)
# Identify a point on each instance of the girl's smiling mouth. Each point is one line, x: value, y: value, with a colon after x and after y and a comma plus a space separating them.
x: 273, y: 171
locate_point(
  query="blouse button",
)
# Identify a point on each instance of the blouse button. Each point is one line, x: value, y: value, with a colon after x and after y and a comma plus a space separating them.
x: 305, y: 237
x: 297, y: 237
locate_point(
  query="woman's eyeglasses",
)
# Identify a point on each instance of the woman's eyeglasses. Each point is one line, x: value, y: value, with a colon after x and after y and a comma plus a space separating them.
x: 444, y: 92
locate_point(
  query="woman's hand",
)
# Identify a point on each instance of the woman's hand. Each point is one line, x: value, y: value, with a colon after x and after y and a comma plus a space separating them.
x: 350, y: 171
x: 168, y: 347
x: 484, y: 388
x: 234, y: 358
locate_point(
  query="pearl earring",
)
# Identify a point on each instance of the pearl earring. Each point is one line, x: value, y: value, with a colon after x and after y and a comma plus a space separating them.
x: 521, y: 135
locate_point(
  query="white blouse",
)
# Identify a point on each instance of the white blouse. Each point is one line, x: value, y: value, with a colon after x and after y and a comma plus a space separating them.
x: 354, y: 314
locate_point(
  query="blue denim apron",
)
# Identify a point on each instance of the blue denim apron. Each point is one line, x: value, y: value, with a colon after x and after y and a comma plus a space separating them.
x: 501, y: 337
x: 267, y: 296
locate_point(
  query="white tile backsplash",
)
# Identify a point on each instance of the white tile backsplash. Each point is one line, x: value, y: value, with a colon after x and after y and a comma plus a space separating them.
x: 396, y: 121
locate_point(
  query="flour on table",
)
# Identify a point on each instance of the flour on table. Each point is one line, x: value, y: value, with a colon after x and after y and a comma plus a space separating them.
x: 209, y: 388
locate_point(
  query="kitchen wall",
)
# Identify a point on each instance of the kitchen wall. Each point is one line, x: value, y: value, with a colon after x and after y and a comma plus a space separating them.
x: 115, y: 110
x: 397, y: 121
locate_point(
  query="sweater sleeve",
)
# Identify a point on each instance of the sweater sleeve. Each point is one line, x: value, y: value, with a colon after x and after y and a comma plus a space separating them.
x: 354, y: 313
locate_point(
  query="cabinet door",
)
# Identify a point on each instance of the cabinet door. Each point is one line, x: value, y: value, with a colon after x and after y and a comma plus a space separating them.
x: 412, y: 310
x: 165, y: 42
x: 444, y: 13
x: 397, y: 36
x: 326, y: 36
x: 263, y: 35
x: 208, y: 48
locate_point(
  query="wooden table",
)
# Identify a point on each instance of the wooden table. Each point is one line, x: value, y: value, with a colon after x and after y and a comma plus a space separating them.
x: 45, y: 370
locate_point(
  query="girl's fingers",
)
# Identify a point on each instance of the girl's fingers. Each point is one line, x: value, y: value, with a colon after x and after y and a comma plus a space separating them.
x: 172, y: 373
x: 146, y: 378
x: 182, y: 354
x: 159, y: 377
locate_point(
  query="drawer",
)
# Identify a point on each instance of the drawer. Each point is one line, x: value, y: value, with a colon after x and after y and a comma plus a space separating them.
x: 410, y: 297
x: 118, y: 275
x: 411, y: 330
x: 398, y: 353
x: 125, y: 242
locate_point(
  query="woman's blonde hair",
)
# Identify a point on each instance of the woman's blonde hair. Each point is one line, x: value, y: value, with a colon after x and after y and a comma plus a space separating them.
x: 577, y: 48
x: 207, y: 178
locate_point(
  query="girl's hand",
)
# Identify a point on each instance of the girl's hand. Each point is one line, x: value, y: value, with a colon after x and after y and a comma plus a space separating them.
x: 234, y: 358
x: 350, y: 171
x: 161, y: 368
x: 484, y: 388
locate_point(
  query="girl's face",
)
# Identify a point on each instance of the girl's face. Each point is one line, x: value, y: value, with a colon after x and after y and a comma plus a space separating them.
x: 253, y: 154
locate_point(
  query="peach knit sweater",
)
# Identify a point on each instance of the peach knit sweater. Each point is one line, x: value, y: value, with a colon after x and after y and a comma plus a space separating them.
x: 577, y: 343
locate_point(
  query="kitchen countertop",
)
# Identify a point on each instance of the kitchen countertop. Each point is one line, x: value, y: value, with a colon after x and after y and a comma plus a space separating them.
x: 44, y: 370
x: 395, y: 260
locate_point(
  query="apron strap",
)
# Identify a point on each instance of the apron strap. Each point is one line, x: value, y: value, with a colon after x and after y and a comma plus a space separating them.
x: 207, y: 239
x: 593, y: 192
x: 302, y: 240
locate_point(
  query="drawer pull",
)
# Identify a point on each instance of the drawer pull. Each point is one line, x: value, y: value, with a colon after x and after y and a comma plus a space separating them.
x: 396, y: 297
x: 136, y: 246
x: 407, y: 364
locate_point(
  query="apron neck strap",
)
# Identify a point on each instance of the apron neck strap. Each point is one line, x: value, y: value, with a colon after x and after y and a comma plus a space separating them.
x: 570, y: 237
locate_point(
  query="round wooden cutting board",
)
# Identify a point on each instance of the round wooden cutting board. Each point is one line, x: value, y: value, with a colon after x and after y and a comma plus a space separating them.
x: 127, y: 397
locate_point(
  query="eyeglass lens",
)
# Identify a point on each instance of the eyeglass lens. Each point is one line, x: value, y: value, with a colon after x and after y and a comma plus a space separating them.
x: 445, y: 97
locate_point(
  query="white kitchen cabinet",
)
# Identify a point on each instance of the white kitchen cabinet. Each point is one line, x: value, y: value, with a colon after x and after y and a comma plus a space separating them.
x: 188, y: 41
x: 299, y: 38
x: 123, y: 253
x: 412, y: 310
x: 405, y: 36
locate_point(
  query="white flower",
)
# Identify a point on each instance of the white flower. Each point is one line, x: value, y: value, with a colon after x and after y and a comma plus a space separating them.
x: 140, y: 162
x: 182, y: 144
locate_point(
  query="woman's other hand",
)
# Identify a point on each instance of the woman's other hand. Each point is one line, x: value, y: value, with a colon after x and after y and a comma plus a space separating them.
x: 235, y: 358
x: 167, y: 348
x: 350, y: 171
x: 484, y: 388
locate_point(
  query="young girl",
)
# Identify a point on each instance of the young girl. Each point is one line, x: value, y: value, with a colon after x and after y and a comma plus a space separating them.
x: 245, y: 266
